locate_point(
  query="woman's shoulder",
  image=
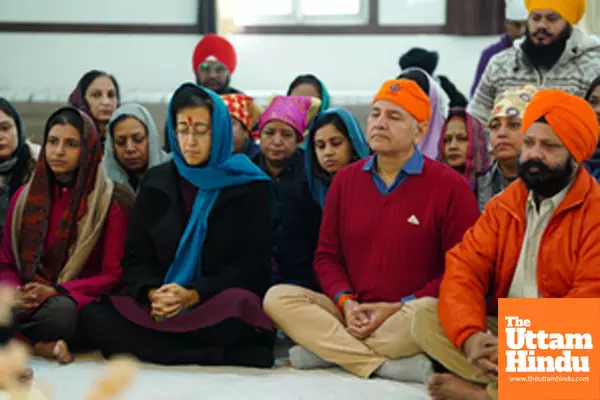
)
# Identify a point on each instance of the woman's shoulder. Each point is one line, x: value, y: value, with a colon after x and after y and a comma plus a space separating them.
x: 160, y: 174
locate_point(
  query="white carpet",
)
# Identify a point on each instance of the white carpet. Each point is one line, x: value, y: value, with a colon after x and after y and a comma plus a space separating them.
x: 226, y: 383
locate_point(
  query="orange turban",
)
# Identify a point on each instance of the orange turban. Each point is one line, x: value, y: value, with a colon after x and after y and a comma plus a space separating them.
x: 570, y: 10
x: 407, y: 95
x: 569, y: 116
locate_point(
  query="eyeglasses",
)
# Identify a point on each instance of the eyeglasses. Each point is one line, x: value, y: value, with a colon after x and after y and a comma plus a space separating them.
x: 197, y: 129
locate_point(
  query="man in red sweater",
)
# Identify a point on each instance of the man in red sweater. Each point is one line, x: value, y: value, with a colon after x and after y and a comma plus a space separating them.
x: 387, y: 223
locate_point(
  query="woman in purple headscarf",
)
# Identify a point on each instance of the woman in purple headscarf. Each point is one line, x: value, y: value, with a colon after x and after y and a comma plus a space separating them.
x: 462, y: 145
x: 439, y: 109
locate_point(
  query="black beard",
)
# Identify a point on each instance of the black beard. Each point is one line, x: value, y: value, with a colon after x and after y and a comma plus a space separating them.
x: 545, y: 56
x: 546, y: 182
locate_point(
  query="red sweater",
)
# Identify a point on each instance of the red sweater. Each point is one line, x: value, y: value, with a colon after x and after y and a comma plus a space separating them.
x: 101, y: 274
x: 385, y: 248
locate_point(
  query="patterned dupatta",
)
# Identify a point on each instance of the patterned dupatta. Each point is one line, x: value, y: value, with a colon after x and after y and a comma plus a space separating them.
x: 33, y: 208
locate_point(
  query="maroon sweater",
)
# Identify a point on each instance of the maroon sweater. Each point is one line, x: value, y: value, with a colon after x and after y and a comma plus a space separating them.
x: 386, y: 248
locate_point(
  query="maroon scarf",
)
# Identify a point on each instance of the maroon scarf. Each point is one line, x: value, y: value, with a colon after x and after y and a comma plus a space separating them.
x: 36, y: 213
x: 477, y: 157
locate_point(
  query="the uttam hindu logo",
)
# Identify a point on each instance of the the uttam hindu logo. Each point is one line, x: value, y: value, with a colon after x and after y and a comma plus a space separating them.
x: 524, y: 346
x: 546, y: 349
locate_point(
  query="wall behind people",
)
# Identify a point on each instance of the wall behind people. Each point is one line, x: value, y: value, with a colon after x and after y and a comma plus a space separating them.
x: 44, y: 67
x: 148, y: 67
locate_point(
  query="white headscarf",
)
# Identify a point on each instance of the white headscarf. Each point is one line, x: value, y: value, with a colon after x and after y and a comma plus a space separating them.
x: 516, y: 10
x: 156, y: 155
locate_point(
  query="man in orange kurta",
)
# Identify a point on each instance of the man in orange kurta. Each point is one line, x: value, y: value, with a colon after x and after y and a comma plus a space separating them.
x: 538, y: 238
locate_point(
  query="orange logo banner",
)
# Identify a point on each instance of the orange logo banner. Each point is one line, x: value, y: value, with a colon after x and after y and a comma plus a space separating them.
x: 549, y: 349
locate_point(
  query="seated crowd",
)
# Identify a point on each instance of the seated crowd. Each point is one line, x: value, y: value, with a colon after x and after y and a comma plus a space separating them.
x: 381, y: 252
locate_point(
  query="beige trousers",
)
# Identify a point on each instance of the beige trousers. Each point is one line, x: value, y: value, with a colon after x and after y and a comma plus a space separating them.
x: 431, y: 338
x: 312, y: 320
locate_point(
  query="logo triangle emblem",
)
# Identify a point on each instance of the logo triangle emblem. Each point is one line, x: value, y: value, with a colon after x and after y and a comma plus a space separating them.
x: 413, y: 220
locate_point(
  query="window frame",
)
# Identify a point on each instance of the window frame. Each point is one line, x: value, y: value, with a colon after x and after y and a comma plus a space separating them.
x: 297, y: 18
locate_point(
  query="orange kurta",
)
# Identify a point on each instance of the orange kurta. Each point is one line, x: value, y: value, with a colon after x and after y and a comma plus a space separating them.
x: 479, y: 270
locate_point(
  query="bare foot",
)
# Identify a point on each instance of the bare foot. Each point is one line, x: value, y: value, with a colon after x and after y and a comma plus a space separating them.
x: 58, y: 351
x: 451, y: 387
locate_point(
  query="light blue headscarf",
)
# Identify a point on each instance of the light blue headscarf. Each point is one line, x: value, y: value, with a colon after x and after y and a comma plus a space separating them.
x: 357, y: 138
x: 223, y: 170
x: 156, y: 155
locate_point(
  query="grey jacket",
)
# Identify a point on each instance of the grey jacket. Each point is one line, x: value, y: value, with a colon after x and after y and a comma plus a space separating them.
x: 489, y: 184
x: 578, y: 66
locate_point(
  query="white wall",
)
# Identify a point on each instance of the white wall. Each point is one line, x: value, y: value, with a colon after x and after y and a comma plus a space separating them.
x: 148, y: 67
x: 105, y: 11
x: 46, y: 67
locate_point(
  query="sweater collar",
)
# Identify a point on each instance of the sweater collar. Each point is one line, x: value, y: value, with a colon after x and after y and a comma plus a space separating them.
x: 414, y: 165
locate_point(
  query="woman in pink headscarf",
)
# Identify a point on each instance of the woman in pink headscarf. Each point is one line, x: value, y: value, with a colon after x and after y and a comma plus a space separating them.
x: 282, y: 128
x: 462, y: 145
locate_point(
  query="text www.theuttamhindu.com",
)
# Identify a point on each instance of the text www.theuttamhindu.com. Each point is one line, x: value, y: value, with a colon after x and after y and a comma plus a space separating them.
x: 557, y: 379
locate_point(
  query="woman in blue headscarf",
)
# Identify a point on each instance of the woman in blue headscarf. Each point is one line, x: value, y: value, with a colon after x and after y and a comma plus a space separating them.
x: 197, y: 259
x: 311, y: 86
x: 334, y: 141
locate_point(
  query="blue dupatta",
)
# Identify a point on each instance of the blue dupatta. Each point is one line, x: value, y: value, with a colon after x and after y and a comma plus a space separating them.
x: 222, y: 170
x: 317, y: 188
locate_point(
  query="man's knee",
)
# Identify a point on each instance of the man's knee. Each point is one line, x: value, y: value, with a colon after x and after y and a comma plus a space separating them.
x: 424, y: 322
x: 276, y: 296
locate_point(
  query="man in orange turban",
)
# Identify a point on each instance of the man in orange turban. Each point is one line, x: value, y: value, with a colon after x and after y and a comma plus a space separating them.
x: 570, y: 118
x: 569, y: 122
x: 522, y: 246
x: 555, y: 54
x: 387, y: 223
x: 571, y: 11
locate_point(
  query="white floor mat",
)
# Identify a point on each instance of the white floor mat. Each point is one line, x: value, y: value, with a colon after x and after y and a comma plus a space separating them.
x: 224, y: 383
